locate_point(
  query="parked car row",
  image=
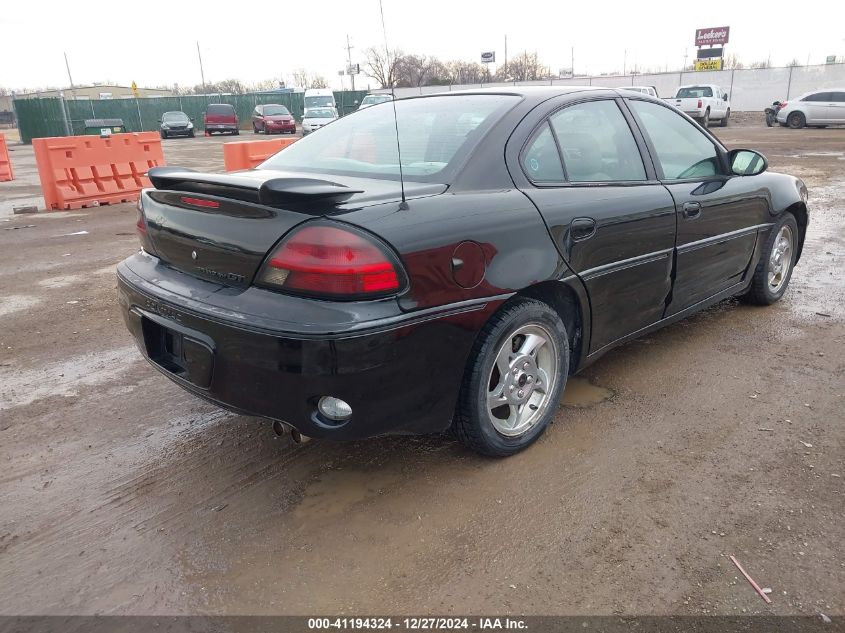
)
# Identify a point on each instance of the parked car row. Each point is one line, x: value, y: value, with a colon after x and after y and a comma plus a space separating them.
x: 270, y: 118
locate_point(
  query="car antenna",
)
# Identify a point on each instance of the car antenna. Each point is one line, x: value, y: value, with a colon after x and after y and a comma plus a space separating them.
x: 404, y: 204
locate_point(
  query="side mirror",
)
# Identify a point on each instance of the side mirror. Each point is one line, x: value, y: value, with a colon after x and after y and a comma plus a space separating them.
x: 747, y: 162
x: 192, y: 118
x: 159, y: 120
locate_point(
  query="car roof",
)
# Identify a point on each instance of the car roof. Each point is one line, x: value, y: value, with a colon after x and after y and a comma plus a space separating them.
x: 533, y: 94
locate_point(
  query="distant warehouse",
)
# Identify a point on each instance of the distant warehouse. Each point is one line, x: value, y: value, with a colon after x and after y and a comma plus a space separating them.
x: 96, y: 91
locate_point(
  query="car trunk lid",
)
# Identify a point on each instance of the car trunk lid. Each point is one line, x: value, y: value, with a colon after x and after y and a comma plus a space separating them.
x: 221, y: 226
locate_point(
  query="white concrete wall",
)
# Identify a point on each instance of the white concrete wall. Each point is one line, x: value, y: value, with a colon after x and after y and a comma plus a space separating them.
x: 750, y: 89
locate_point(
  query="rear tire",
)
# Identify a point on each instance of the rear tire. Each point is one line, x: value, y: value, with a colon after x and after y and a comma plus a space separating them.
x: 513, y: 380
x: 724, y: 121
x: 705, y: 120
x: 796, y: 120
x: 236, y: 133
x: 774, y: 270
x: 254, y: 129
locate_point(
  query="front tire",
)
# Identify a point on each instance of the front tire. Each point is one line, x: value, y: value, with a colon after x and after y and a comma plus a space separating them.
x: 796, y: 120
x: 774, y: 270
x: 514, y: 379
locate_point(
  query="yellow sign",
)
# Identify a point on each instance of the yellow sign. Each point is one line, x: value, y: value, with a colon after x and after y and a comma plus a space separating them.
x: 708, y: 64
x: 134, y: 88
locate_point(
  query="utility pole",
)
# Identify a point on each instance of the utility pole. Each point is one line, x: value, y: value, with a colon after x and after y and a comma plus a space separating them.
x: 506, y: 51
x: 69, y: 78
x: 685, y: 60
x: 625, y: 63
x: 202, y: 72
x: 349, y: 61
x: 572, y: 65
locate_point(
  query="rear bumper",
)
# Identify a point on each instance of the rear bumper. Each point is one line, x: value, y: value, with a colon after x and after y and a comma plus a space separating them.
x: 221, y: 127
x: 400, y: 374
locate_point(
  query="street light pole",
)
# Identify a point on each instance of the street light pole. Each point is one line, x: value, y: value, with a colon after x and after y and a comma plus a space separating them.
x: 202, y: 72
x: 349, y: 61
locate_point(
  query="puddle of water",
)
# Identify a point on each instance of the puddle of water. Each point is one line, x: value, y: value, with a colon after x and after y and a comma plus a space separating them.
x: 336, y: 491
x: 580, y: 392
x: 22, y: 387
x: 15, y: 303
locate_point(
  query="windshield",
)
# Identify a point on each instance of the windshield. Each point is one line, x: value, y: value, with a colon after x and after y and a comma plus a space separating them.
x: 174, y: 117
x: 318, y: 102
x: 273, y: 110
x: 694, y: 92
x: 436, y: 134
x: 371, y: 99
x: 321, y: 113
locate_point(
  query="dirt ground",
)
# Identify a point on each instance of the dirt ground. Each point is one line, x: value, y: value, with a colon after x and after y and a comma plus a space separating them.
x: 720, y: 435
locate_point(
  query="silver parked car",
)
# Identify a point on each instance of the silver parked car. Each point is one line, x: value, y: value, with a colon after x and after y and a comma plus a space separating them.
x: 818, y: 108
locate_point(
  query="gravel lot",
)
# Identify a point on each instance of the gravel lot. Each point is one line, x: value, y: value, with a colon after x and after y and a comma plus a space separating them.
x: 722, y: 434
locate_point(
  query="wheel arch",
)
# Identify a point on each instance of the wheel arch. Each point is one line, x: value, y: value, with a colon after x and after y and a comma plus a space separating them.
x: 799, y: 210
x: 572, y: 307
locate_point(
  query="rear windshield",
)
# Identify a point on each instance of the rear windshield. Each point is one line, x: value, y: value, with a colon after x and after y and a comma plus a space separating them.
x: 223, y: 109
x: 435, y: 135
x: 694, y: 92
x: 272, y: 110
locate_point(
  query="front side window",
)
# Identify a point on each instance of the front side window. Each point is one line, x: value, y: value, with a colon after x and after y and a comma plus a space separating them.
x: 435, y: 134
x: 541, y: 160
x: 838, y: 97
x: 683, y: 151
x: 597, y: 144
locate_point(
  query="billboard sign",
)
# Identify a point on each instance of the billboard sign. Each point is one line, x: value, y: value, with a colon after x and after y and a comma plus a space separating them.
x: 707, y: 53
x: 708, y: 37
x: 708, y: 64
x: 488, y: 57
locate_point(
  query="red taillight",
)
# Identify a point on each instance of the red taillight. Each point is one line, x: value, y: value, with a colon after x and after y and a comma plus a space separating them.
x: 699, y: 103
x: 200, y: 202
x: 332, y: 262
x: 782, y: 105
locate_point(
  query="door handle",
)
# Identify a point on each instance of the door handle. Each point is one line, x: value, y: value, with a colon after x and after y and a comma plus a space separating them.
x: 691, y: 210
x: 582, y: 229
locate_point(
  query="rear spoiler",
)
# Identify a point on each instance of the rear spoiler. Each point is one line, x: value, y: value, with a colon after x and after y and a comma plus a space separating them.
x: 249, y: 187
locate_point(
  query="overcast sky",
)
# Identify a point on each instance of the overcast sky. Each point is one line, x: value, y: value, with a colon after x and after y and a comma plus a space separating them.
x: 153, y: 42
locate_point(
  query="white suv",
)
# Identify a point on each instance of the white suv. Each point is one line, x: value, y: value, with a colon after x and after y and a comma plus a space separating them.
x: 818, y: 108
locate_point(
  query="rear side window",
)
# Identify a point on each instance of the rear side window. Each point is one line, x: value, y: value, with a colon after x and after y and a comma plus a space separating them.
x: 683, y: 150
x: 221, y: 109
x: 839, y: 97
x: 597, y: 144
x: 541, y: 160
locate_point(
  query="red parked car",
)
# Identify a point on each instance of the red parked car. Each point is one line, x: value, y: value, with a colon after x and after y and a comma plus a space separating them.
x: 272, y: 118
x: 220, y: 117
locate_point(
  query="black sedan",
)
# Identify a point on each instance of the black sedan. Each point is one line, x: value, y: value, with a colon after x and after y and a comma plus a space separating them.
x: 347, y: 292
x: 176, y: 123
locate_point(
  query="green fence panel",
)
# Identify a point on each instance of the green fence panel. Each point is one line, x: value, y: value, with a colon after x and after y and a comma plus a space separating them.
x: 39, y: 118
x: 43, y: 117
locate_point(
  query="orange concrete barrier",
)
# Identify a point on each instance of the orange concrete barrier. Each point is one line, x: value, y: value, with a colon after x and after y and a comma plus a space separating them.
x: 6, y: 171
x: 248, y: 154
x: 87, y: 171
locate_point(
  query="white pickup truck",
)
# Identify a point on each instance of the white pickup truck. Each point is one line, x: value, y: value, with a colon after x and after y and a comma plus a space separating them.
x: 704, y: 103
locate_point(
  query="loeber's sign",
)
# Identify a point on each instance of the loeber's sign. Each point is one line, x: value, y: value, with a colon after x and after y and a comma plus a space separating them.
x: 718, y: 35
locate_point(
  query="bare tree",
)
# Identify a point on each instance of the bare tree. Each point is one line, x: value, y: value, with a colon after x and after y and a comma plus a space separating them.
x: 466, y: 72
x: 382, y: 65
x: 794, y: 62
x: 318, y: 81
x: 523, y: 67
x: 413, y: 70
x: 762, y: 64
x: 301, y: 78
x: 732, y: 62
